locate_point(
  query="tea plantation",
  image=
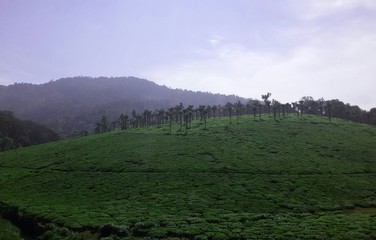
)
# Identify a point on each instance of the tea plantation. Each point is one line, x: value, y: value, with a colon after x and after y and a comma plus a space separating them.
x: 287, y: 179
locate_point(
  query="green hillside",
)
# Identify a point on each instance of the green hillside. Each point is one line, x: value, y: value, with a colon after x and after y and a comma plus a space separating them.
x: 291, y: 179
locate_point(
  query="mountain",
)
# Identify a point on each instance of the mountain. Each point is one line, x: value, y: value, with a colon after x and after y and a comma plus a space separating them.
x: 295, y: 178
x: 74, y: 104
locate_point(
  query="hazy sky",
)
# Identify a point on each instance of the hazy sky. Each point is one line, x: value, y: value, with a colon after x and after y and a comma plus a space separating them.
x: 291, y: 48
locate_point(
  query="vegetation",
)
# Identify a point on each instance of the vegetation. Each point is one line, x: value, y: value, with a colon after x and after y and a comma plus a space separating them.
x: 307, y: 105
x: 72, y: 105
x: 8, y: 231
x: 289, y: 178
x: 15, y: 133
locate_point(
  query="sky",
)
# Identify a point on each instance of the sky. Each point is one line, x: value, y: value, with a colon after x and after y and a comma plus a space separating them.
x: 291, y: 48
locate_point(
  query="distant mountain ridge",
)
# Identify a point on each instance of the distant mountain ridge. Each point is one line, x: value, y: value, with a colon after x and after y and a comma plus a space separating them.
x: 74, y: 104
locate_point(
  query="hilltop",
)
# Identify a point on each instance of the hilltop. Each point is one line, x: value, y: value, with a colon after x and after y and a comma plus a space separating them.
x: 74, y: 104
x: 294, y: 178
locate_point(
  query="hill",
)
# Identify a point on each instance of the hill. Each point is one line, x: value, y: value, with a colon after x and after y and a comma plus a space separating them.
x: 287, y: 179
x: 71, y: 105
x: 15, y: 133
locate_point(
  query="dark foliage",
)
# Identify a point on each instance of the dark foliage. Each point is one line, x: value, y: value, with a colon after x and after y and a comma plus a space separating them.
x: 15, y: 133
x: 336, y: 108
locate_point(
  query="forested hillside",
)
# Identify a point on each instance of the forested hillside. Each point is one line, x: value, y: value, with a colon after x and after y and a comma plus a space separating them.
x: 76, y: 105
x: 71, y: 105
x: 15, y: 133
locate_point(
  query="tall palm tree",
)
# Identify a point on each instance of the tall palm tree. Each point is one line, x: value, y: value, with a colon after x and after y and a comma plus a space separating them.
x: 321, y: 103
x: 301, y: 107
x: 266, y: 101
x: 208, y: 110
x: 170, y: 116
x: 123, y: 121
x: 256, y: 104
x: 179, y: 113
x: 190, y: 113
x: 201, y: 109
x: 186, y: 120
x: 214, y: 110
x: 295, y: 107
x: 206, y: 114
x: 229, y: 107
x: 238, y: 110
x: 104, y: 124
x: 329, y: 107
x: 275, y: 105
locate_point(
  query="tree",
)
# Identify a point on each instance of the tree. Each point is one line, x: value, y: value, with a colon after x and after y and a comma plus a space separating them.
x: 371, y: 116
x: 214, y: 110
x: 139, y: 120
x: 229, y: 107
x: 256, y: 105
x: 170, y: 115
x: 113, y: 125
x: 249, y: 107
x: 123, y: 119
x: 275, y: 105
x: 208, y: 110
x: 104, y: 124
x: 160, y: 116
x: 179, y: 113
x: 295, y: 108
x: 266, y: 101
x: 190, y: 114
x: 238, y: 110
x: 301, y: 107
x: 310, y: 105
x: 259, y: 108
x: 134, y: 121
x: 201, y: 110
x: 206, y: 113
x: 287, y: 108
x: 186, y: 120
x: 329, y: 106
x: 321, y: 104
x: 146, y: 118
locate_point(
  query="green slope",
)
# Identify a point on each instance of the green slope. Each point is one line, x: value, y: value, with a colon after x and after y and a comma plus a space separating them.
x: 8, y: 231
x: 295, y: 178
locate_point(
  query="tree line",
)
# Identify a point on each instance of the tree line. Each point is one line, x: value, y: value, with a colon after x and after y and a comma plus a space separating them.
x: 15, y: 133
x: 69, y: 105
x: 182, y: 115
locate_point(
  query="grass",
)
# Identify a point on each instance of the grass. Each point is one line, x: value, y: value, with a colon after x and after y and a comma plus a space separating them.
x: 292, y: 178
x: 8, y: 231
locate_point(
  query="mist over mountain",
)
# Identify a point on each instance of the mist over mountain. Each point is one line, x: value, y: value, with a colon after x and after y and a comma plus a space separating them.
x: 69, y: 105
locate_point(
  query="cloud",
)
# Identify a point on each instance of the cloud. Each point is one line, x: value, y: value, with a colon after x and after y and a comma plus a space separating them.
x: 312, y: 9
x: 216, y: 39
x: 337, y: 64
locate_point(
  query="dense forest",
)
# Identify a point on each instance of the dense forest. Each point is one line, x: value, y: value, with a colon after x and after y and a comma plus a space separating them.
x: 15, y: 133
x: 71, y: 105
